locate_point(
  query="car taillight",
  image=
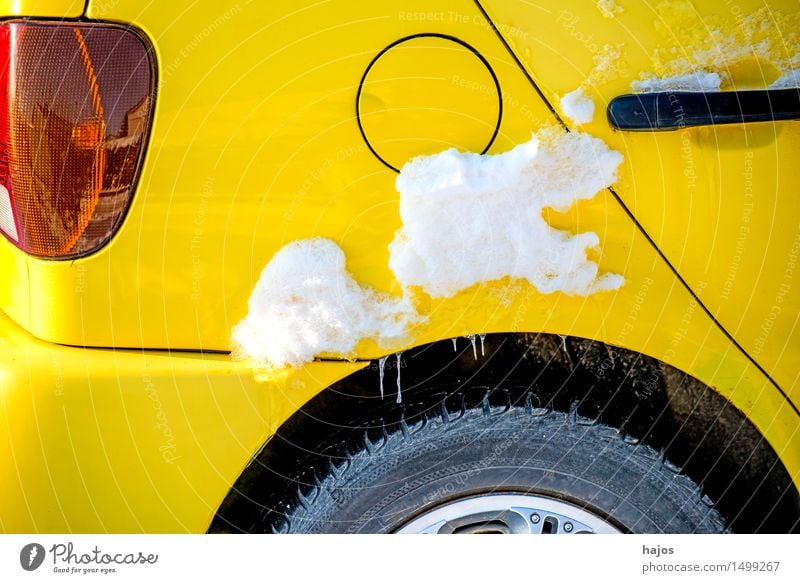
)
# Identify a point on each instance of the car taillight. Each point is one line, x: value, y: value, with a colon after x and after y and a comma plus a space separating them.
x: 78, y: 99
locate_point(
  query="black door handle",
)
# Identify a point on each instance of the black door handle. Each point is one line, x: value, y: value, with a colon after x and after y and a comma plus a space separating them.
x: 666, y: 111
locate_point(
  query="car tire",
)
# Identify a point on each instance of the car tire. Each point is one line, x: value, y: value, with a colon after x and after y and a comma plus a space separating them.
x: 506, y: 464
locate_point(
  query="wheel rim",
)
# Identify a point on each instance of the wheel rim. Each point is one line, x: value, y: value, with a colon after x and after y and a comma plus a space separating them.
x: 508, y: 514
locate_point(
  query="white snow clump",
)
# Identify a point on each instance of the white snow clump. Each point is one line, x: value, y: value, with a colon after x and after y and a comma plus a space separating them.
x: 577, y: 106
x: 305, y: 303
x: 469, y: 218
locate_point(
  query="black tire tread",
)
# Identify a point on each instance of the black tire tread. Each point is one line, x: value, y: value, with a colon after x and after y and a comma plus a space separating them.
x: 316, y: 505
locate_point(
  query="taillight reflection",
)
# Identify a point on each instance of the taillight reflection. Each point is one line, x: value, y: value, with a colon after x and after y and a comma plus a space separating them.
x: 78, y: 103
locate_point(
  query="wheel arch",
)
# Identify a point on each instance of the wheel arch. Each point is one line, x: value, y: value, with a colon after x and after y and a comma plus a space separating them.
x: 699, y: 432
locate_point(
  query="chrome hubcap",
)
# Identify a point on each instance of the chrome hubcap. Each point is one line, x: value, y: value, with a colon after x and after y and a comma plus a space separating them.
x: 508, y: 514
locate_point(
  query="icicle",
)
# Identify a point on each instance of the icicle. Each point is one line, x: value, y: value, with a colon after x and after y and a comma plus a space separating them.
x: 482, y: 338
x: 471, y: 338
x: 381, y: 366
x: 399, y: 394
x: 455, y: 344
x: 563, y: 342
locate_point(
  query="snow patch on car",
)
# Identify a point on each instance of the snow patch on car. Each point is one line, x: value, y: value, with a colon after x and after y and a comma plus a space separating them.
x: 609, y: 65
x: 698, y: 81
x: 753, y: 47
x: 306, y: 303
x: 609, y: 8
x: 469, y: 218
x: 578, y: 107
x: 788, y: 80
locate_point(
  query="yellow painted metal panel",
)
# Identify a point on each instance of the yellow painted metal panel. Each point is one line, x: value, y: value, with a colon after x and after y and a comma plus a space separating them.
x: 256, y: 144
x: 14, y: 296
x: 720, y: 202
x: 42, y: 8
x: 118, y: 441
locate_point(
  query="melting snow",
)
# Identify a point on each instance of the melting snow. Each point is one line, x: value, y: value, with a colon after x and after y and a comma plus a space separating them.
x: 609, y: 65
x: 306, y: 303
x: 399, y: 393
x: 746, y: 45
x: 789, y: 80
x: 608, y: 8
x: 469, y: 218
x: 471, y: 338
x: 577, y: 106
x: 381, y: 369
x: 697, y: 81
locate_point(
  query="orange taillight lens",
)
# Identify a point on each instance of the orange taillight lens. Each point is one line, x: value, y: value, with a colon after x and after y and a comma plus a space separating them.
x: 73, y: 127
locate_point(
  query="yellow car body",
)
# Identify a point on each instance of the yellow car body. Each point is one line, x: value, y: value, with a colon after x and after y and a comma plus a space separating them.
x: 122, y: 411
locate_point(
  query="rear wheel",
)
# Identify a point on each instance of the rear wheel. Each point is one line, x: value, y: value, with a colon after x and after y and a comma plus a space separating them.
x: 516, y: 471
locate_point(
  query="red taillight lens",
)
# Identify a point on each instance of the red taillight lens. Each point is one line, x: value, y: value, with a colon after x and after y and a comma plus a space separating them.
x: 73, y: 127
